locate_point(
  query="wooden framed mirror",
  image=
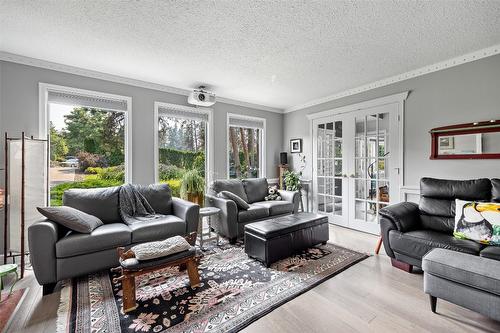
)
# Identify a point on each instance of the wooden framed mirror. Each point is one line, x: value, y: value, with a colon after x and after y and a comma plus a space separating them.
x: 480, y: 140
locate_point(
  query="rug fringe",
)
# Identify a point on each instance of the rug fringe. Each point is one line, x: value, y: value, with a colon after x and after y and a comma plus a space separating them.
x: 63, y: 309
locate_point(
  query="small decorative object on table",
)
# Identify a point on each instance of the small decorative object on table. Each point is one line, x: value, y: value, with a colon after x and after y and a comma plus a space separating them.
x: 4, y: 270
x: 207, y: 212
x: 176, y: 252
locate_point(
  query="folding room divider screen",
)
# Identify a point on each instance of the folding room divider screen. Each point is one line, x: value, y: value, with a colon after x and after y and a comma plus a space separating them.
x: 26, y: 187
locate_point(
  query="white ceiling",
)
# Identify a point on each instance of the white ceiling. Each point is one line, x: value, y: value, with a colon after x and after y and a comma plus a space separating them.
x: 274, y: 53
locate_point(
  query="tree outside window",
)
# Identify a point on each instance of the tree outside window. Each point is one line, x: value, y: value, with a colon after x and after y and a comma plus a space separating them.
x: 87, y: 149
x: 244, y: 152
x: 182, y: 147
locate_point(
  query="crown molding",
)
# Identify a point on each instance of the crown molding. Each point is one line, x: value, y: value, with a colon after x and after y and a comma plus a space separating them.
x: 19, y: 59
x: 394, y: 98
x: 469, y: 57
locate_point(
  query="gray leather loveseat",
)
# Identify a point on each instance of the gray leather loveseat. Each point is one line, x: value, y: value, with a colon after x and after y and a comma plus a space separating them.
x: 253, y: 190
x: 58, y: 254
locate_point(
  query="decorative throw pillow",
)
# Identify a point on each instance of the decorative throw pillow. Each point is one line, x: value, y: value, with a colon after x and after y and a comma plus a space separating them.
x: 153, y: 250
x: 71, y: 218
x: 242, y: 204
x: 478, y: 221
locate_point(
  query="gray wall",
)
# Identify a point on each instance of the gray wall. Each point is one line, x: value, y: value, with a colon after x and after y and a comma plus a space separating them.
x: 19, y: 108
x: 19, y: 112
x: 466, y: 93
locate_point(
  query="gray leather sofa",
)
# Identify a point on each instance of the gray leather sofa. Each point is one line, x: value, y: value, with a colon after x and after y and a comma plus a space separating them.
x: 58, y: 254
x: 232, y: 220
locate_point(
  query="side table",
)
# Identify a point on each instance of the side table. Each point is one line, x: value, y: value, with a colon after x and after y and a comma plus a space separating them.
x: 208, y: 212
x: 5, y: 270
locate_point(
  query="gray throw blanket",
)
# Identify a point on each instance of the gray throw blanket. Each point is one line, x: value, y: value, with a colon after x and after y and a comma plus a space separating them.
x: 133, y: 206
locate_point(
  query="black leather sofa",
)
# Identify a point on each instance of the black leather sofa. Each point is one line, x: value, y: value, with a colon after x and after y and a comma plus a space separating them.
x: 410, y: 230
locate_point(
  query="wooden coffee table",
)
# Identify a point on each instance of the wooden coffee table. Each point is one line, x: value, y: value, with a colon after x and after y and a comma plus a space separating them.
x: 130, y: 267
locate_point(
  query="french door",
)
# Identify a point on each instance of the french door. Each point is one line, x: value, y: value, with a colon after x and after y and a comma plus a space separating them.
x: 356, y: 165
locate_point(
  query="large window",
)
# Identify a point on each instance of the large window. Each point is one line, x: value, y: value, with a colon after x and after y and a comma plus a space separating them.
x: 88, y: 140
x: 246, y: 147
x: 181, y: 143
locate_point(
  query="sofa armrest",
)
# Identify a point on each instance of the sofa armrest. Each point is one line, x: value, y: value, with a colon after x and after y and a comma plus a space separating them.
x: 403, y: 216
x: 42, y: 238
x: 187, y: 211
x: 228, y: 216
x: 291, y: 196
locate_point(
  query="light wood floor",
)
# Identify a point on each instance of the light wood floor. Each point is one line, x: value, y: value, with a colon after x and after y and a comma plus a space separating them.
x: 371, y: 296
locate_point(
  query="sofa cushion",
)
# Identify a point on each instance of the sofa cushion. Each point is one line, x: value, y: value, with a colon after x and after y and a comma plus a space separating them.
x: 159, y: 197
x: 135, y: 264
x: 100, y: 202
x: 242, y: 204
x: 158, y: 249
x: 255, y: 212
x: 276, y: 207
x: 474, y: 189
x: 472, y: 271
x: 495, y: 189
x: 491, y: 252
x: 162, y: 227
x: 256, y: 189
x: 71, y: 218
x: 105, y: 237
x: 417, y: 243
x: 437, y: 199
x: 444, y: 224
x: 231, y: 185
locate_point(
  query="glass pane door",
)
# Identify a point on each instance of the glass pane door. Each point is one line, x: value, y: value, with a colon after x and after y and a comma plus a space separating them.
x: 329, y: 170
x: 370, y: 181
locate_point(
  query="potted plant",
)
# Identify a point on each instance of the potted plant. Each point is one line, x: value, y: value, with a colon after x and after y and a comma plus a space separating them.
x: 292, y: 180
x: 192, y: 187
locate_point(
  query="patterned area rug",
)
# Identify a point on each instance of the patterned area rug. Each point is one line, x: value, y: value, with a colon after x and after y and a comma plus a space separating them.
x: 235, y: 291
x: 9, y: 305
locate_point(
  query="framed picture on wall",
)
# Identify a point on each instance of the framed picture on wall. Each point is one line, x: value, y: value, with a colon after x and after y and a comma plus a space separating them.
x: 296, y: 146
x: 446, y: 142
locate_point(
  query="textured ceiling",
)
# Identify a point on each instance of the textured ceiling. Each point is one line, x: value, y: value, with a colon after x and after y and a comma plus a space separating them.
x: 273, y: 53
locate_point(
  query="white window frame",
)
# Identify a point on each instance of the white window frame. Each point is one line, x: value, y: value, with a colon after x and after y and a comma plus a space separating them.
x: 209, y: 137
x: 262, y: 152
x: 43, y: 120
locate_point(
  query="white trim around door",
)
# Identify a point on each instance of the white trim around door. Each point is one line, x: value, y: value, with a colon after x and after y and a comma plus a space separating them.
x: 209, y: 162
x: 392, y: 106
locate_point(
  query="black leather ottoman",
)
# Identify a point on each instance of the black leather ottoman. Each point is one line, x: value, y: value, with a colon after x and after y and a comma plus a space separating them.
x: 280, y: 237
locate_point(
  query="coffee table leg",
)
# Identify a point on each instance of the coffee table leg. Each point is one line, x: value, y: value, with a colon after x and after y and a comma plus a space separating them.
x: 128, y: 288
x: 12, y: 287
x: 194, y: 276
x: 201, y: 232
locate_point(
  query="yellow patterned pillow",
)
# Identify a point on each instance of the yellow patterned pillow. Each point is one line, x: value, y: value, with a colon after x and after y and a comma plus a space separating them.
x: 478, y: 221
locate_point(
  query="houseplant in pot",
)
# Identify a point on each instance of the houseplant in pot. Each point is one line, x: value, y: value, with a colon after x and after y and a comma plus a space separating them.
x: 292, y: 181
x: 192, y: 187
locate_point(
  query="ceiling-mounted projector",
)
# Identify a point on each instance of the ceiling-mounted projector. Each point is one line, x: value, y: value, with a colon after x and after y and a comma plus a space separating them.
x: 201, y: 97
